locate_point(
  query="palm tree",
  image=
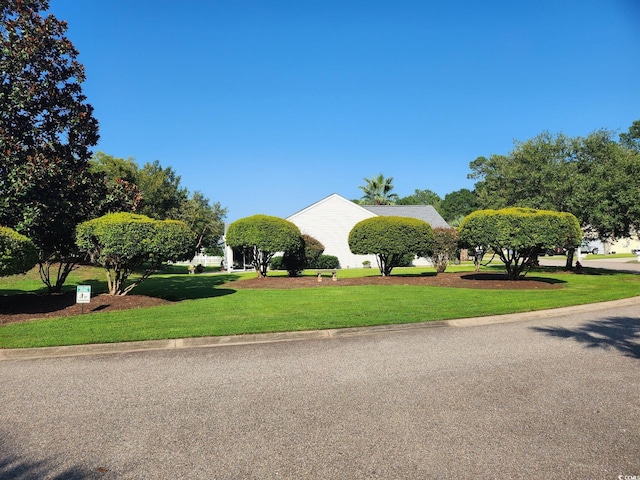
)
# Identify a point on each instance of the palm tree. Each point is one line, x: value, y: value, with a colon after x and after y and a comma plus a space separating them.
x: 377, y: 191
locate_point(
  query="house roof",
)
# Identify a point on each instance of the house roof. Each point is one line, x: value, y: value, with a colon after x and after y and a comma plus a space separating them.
x: 422, y: 212
x: 332, y: 197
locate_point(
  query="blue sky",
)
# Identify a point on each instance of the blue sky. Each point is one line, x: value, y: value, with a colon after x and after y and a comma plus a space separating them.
x: 270, y: 105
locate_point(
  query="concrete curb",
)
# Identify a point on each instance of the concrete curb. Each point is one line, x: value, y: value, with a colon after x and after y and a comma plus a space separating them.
x: 250, y: 339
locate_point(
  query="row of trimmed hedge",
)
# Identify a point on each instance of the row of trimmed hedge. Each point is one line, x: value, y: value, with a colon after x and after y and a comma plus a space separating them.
x: 323, y: 262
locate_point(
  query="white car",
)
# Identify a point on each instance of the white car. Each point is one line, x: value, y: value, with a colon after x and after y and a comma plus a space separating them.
x: 585, y: 248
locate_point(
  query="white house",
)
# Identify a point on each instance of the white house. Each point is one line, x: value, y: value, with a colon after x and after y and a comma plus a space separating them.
x: 331, y: 219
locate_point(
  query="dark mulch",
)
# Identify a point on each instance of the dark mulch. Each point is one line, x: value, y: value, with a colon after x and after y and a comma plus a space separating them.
x: 19, y: 308
x: 495, y: 281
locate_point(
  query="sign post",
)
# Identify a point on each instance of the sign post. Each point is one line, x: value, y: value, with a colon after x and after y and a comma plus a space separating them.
x: 83, y: 295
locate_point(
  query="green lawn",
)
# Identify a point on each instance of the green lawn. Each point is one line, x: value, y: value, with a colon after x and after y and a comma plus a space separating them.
x: 601, y: 256
x: 212, y: 306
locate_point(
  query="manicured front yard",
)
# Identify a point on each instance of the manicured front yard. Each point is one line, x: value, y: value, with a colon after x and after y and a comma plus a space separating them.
x: 217, y: 308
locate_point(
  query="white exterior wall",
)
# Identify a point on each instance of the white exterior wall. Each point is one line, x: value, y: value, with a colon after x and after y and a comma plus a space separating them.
x: 330, y: 221
x: 623, y: 245
x: 422, y: 262
x: 205, y: 260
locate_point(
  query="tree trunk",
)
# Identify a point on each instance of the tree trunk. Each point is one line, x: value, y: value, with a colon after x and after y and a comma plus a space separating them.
x: 65, y: 267
x: 569, y: 264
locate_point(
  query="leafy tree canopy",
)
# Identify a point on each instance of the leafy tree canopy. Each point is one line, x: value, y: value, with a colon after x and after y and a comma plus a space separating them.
x: 206, y: 219
x: 631, y: 138
x: 114, y: 168
x: 457, y: 205
x: 421, y: 197
x: 156, y: 191
x: 119, y: 178
x: 593, y: 177
x: 391, y: 238
x: 264, y: 235
x: 534, y: 175
x: 161, y: 191
x: 46, y: 131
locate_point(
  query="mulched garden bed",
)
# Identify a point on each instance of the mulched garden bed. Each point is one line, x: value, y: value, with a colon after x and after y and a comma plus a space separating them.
x: 19, y: 308
x: 23, y: 307
x: 494, y: 281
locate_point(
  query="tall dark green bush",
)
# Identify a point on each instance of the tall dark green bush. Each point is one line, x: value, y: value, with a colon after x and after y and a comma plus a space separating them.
x: 445, y: 247
x: 276, y: 263
x: 313, y: 248
x: 296, y: 261
x: 327, y: 262
x: 305, y: 257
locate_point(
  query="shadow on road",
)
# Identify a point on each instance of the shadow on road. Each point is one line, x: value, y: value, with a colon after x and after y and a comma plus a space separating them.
x: 621, y: 333
x: 13, y: 467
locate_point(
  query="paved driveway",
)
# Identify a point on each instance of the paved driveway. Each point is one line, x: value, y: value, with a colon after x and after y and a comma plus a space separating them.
x: 621, y: 264
x: 549, y: 398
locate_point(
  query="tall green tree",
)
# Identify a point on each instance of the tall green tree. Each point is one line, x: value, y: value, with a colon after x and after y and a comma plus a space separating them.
x: 594, y: 177
x: 157, y: 191
x: 119, y: 181
x: 535, y: 174
x: 206, y: 219
x: 631, y: 138
x: 46, y: 130
x: 606, y: 186
x: 457, y: 205
x: 377, y: 191
x: 114, y: 168
x: 162, y: 193
x: 421, y: 197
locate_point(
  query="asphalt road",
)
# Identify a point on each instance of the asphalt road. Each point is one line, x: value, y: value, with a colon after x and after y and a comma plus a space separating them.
x: 548, y: 398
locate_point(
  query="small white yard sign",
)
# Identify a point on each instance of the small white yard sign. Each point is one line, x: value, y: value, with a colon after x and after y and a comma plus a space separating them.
x: 83, y: 294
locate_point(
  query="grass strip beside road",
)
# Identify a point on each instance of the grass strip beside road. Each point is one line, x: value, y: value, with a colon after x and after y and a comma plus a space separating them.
x: 227, y: 311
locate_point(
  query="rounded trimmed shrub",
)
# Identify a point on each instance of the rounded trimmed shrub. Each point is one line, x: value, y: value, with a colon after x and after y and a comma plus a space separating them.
x: 391, y: 239
x: 18, y: 254
x: 265, y: 235
x: 516, y: 235
x: 121, y: 242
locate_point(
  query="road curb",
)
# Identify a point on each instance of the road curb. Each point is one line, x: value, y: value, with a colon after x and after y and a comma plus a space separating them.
x: 258, y: 338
